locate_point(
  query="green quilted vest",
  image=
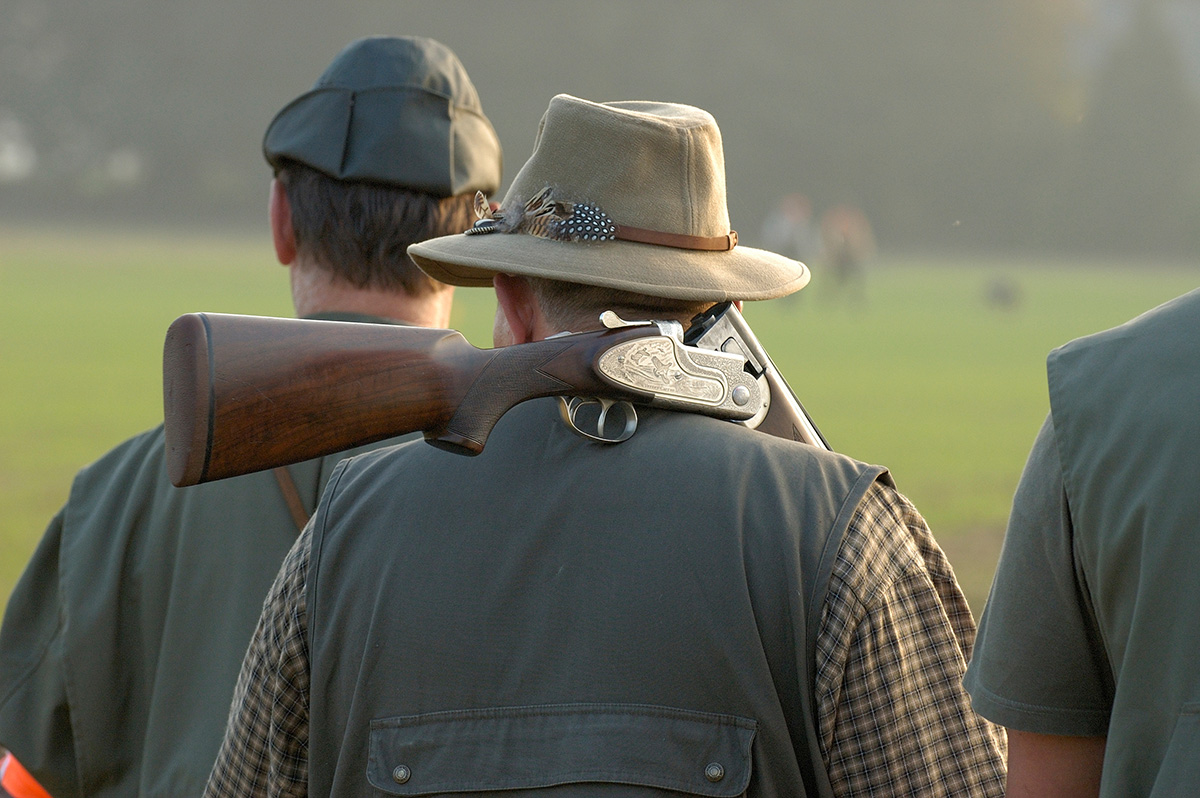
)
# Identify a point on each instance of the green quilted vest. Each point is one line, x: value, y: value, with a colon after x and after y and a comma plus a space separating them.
x: 555, y: 616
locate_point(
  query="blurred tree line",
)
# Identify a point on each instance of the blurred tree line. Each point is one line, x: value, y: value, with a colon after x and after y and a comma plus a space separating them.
x: 1040, y: 125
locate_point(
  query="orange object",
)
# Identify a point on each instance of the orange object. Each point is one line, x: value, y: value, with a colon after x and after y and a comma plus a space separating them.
x: 16, y: 781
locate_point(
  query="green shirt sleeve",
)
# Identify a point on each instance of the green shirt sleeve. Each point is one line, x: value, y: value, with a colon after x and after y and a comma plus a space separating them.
x: 35, y: 719
x: 1038, y: 665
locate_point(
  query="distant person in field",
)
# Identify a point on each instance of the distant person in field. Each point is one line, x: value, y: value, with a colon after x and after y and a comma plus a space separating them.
x: 847, y: 243
x: 122, y: 641
x: 791, y: 230
x: 1089, y: 646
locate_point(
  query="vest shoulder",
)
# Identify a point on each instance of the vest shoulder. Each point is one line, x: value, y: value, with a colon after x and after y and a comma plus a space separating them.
x: 1177, y: 319
x: 130, y: 482
x: 707, y: 437
x: 666, y: 443
x: 133, y: 455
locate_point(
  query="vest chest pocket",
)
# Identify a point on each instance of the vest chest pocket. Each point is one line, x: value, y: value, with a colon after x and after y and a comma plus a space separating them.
x: 539, y: 747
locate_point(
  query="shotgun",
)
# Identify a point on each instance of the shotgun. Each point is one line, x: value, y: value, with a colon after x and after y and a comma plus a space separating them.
x: 248, y: 393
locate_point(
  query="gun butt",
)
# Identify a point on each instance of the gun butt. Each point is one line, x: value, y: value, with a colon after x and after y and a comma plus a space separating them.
x: 187, y: 399
x: 248, y: 393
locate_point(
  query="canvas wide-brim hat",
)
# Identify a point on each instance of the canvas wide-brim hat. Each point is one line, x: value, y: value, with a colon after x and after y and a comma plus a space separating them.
x: 627, y: 195
x: 396, y: 110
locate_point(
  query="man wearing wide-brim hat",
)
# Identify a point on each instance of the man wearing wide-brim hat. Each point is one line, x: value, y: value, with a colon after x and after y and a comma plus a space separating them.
x: 701, y: 610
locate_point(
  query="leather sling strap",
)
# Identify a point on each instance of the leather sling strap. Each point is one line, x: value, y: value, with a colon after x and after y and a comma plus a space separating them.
x: 291, y: 495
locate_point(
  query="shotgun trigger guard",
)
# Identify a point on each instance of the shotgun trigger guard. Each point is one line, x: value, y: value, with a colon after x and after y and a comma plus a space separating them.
x: 569, y: 409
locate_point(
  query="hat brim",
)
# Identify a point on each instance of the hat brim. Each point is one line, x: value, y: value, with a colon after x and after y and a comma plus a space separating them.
x: 739, y: 273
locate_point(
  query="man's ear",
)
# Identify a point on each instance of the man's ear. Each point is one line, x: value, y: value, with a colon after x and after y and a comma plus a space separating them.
x: 516, y: 303
x: 280, y: 212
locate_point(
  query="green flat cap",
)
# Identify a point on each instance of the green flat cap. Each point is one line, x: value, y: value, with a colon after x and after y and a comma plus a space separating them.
x: 399, y: 110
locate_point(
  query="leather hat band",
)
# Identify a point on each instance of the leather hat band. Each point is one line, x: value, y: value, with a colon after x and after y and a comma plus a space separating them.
x: 641, y: 235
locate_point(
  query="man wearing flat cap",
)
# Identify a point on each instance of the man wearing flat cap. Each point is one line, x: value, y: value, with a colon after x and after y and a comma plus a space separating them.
x: 702, y: 609
x: 121, y: 644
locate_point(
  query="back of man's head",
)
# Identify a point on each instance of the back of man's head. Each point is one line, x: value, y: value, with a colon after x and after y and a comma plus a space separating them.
x: 387, y: 149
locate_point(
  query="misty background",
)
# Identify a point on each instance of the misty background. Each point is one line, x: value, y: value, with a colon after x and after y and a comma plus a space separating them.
x: 985, y: 126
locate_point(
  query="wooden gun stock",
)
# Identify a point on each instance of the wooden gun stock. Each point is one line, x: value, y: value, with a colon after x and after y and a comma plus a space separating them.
x: 248, y: 393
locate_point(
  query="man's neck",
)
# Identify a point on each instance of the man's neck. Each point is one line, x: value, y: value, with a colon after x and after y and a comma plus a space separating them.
x: 316, y: 291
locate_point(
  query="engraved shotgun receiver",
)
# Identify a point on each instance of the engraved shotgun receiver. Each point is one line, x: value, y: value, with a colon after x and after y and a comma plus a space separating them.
x: 248, y: 393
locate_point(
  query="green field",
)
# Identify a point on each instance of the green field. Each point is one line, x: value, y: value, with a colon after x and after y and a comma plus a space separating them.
x: 924, y: 375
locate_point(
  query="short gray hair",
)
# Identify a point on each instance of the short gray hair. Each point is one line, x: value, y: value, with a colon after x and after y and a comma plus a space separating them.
x: 575, y: 307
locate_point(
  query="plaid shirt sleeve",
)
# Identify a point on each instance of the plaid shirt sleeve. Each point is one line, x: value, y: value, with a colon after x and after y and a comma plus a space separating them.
x: 894, y: 640
x: 265, y: 750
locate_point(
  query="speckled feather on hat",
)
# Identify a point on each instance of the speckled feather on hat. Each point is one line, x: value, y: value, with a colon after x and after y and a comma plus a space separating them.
x: 646, y: 171
x: 399, y: 110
